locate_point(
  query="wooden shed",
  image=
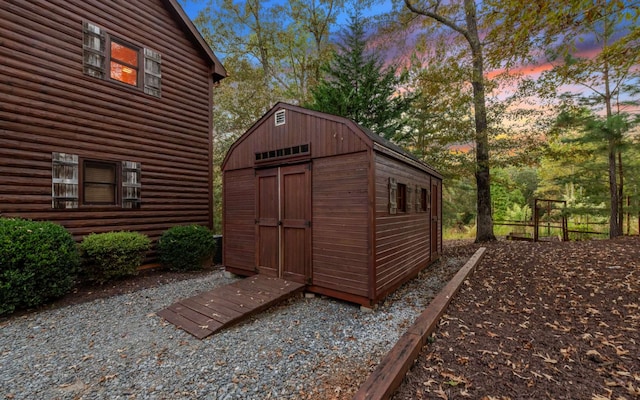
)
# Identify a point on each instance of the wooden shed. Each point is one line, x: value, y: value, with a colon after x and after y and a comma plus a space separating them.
x: 317, y: 199
x: 105, y: 115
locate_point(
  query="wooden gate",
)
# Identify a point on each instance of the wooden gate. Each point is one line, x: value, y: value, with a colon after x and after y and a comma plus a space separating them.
x: 283, y: 222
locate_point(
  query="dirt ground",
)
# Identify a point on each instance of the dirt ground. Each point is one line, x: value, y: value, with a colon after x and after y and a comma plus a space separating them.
x: 547, y: 320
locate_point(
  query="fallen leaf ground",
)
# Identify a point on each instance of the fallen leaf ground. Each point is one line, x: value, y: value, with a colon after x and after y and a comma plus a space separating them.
x: 547, y: 320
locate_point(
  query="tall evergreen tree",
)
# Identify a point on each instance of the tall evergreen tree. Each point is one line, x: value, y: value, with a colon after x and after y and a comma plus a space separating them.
x: 358, y: 86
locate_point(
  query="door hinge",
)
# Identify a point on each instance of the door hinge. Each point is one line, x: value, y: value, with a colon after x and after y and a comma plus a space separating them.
x: 307, y: 224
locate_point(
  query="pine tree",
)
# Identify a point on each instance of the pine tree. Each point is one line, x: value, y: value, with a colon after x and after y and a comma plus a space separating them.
x: 358, y: 86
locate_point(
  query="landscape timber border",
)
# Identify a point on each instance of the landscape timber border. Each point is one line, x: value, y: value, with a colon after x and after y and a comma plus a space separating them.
x: 388, y: 375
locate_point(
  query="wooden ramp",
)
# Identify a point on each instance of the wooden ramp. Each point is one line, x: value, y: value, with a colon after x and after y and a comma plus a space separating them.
x: 211, y: 311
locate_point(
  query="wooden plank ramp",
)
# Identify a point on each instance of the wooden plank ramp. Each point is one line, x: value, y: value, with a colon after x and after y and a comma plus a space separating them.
x: 207, y: 313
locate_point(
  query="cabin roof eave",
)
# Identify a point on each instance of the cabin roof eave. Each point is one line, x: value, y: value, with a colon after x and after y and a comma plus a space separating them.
x: 218, y: 70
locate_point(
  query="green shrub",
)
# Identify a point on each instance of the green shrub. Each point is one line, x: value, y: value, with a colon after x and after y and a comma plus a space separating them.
x: 38, y: 262
x: 112, y: 255
x: 183, y: 248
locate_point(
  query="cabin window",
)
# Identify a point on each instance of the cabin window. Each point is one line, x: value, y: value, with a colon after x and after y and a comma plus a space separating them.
x: 102, y: 182
x: 99, y: 183
x: 125, y: 61
x: 401, y: 197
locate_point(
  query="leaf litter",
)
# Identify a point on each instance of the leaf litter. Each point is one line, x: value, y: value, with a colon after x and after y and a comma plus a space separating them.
x: 538, y: 320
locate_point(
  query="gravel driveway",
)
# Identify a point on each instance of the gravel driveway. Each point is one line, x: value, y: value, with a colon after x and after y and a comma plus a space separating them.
x: 117, y: 348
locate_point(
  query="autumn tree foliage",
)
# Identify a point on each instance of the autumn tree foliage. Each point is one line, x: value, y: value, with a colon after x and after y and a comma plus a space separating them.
x: 462, y: 18
x: 607, y: 76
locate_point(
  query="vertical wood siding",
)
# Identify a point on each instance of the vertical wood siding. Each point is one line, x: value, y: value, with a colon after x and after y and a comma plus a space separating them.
x: 402, y: 239
x: 359, y: 251
x: 239, y: 219
x: 48, y: 105
x: 325, y: 137
x: 340, y: 223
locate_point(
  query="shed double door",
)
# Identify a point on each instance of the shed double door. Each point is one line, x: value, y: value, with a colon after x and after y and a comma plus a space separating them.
x: 283, y: 222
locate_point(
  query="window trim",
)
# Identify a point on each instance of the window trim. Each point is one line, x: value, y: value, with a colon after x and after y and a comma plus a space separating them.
x: 393, y: 196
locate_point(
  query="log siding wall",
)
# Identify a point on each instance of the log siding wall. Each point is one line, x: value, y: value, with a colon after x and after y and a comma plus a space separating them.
x: 47, y: 104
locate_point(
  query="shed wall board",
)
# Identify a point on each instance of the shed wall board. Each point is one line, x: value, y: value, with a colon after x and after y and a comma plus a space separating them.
x: 326, y: 138
x: 239, y: 220
x: 47, y: 104
x: 340, y: 201
x: 402, y: 239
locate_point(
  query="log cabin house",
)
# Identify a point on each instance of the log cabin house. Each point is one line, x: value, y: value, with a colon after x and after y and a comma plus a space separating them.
x: 105, y: 115
x: 317, y: 199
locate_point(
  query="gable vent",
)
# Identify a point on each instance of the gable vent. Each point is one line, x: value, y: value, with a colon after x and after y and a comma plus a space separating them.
x: 280, y: 120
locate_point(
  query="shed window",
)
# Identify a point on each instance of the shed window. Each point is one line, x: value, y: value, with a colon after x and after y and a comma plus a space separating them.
x: 424, y: 198
x: 300, y: 150
x: 126, y: 61
x: 402, y: 197
x: 280, y: 117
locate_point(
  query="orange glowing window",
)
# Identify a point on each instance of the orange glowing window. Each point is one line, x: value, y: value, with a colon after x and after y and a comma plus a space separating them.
x: 124, y: 63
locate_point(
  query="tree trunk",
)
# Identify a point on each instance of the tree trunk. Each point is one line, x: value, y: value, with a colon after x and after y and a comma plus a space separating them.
x: 620, y: 193
x: 614, y: 227
x: 484, y: 230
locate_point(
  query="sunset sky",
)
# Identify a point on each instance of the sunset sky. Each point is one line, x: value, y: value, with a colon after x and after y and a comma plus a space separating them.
x: 586, y: 48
